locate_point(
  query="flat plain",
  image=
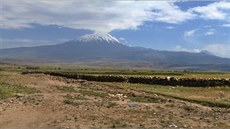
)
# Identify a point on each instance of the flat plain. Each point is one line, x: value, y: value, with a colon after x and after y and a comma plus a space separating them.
x: 44, y: 101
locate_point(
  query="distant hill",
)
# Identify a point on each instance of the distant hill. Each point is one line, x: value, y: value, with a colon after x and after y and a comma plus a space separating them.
x: 106, y: 49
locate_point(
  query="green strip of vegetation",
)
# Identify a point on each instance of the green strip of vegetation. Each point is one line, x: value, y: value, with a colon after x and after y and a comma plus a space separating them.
x: 202, y: 102
x: 176, y: 92
x: 66, y: 89
x: 205, y: 103
x: 71, y: 102
x: 93, y: 93
x: 8, y: 90
x: 75, y: 97
x: 143, y: 99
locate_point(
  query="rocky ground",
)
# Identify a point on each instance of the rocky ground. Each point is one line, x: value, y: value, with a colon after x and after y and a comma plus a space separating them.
x: 68, y: 103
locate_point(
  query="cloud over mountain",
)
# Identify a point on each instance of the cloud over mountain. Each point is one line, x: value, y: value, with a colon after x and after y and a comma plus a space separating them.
x: 103, y: 16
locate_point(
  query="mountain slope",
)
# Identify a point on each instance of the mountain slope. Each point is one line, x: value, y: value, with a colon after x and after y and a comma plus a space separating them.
x: 98, y: 46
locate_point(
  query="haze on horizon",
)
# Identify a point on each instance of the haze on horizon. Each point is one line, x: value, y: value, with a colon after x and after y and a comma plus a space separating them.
x: 190, y: 26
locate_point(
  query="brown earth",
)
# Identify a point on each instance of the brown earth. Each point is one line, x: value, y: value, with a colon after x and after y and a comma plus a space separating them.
x: 68, y: 103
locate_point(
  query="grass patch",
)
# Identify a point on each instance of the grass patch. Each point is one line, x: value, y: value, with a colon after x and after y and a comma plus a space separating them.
x: 143, y: 99
x: 8, y: 90
x: 101, y: 94
x: 209, y: 96
x: 195, y: 95
x: 66, y: 88
x: 75, y: 97
x: 204, y: 102
x: 111, y: 105
x: 4, y: 94
x: 70, y: 100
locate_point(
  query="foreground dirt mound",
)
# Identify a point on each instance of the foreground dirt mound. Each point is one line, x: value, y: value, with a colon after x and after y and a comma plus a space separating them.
x: 69, y: 103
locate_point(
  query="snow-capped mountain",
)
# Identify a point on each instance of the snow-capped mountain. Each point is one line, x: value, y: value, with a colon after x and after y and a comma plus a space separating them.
x: 106, y: 48
x: 98, y: 37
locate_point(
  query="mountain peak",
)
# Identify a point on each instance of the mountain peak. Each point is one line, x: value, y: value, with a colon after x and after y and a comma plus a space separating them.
x: 98, y: 37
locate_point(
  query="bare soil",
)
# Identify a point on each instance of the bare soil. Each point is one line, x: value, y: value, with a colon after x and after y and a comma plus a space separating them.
x: 68, y: 103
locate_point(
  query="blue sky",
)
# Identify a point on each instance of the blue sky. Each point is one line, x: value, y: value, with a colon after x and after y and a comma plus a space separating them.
x: 190, y: 26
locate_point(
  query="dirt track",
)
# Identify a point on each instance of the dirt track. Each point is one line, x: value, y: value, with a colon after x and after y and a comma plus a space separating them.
x: 112, y: 108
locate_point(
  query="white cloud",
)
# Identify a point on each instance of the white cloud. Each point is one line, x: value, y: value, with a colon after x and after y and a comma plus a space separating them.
x: 12, y: 43
x: 213, y: 11
x: 210, y: 32
x: 180, y: 48
x: 222, y: 50
x: 226, y: 25
x: 196, y: 50
x: 102, y: 15
x: 98, y: 16
x: 122, y: 40
x: 190, y: 33
x: 207, y: 26
x: 170, y: 13
x: 169, y: 27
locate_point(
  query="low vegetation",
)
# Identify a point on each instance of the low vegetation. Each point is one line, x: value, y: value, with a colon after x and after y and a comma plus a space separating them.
x: 143, y: 99
x: 71, y: 100
x: 101, y: 94
x: 90, y: 70
x: 66, y: 88
x: 73, y: 103
x: 74, y: 97
x: 211, y: 96
x: 8, y: 90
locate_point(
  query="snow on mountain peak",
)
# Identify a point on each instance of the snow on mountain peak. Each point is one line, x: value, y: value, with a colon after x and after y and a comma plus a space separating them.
x: 98, y: 37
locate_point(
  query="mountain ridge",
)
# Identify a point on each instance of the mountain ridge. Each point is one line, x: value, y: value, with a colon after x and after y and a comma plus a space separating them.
x: 105, y: 47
